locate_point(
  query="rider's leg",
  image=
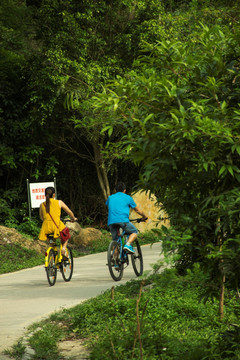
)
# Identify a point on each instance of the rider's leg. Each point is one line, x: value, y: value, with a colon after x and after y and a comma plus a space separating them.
x: 64, y: 246
x: 114, y: 232
x: 132, y: 230
x: 132, y: 238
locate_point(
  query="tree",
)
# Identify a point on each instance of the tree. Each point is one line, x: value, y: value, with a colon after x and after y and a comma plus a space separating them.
x: 181, y: 110
x: 83, y: 46
x: 62, y: 54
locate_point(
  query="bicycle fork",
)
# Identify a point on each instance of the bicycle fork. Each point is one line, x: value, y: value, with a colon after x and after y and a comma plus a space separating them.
x: 56, y: 260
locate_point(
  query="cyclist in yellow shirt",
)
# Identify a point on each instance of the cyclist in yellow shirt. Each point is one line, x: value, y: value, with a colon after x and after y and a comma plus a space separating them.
x: 50, y: 212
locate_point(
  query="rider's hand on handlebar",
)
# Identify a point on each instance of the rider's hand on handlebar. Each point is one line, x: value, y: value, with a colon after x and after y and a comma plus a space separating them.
x: 142, y: 219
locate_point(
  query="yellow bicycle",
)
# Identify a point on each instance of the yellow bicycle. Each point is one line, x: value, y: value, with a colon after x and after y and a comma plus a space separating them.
x: 54, y: 261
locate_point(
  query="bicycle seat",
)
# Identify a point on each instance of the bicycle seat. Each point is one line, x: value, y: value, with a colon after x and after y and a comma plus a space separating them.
x: 50, y: 235
x: 119, y: 229
x: 51, y: 238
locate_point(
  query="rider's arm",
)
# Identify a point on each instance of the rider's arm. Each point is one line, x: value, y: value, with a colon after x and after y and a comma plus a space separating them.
x: 140, y: 212
x: 41, y: 212
x: 67, y: 210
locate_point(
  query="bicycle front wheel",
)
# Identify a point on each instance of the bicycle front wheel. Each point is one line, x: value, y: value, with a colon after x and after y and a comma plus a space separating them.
x: 115, y: 265
x: 51, y: 269
x: 67, y: 266
x: 137, y: 260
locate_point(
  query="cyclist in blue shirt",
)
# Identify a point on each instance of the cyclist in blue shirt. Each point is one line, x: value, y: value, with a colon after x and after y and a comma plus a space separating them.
x: 119, y: 205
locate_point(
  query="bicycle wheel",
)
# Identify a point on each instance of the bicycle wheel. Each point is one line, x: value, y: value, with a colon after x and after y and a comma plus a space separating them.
x: 115, y: 265
x: 51, y: 269
x: 67, y: 266
x: 137, y: 260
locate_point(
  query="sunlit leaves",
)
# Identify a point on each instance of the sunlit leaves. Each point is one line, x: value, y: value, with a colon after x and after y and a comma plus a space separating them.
x: 181, y: 108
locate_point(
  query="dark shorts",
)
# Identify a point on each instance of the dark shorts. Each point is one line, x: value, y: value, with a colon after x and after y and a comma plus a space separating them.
x: 129, y: 228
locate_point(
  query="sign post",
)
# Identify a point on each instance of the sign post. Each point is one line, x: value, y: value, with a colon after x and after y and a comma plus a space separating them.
x: 36, y: 193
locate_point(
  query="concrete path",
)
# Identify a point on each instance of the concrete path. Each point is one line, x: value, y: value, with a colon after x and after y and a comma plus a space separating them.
x: 26, y: 297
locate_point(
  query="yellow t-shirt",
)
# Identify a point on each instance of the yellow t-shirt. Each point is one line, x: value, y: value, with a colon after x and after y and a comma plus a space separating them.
x: 48, y: 226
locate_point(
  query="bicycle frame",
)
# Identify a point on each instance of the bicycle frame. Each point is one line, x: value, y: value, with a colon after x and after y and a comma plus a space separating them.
x: 117, y: 257
x: 54, y: 261
x: 53, y: 245
x: 122, y: 239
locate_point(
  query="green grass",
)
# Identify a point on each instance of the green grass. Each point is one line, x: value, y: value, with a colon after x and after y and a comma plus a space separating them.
x: 14, y: 257
x: 169, y: 323
x: 154, y: 318
x: 17, y: 351
x: 44, y: 342
x: 102, y: 244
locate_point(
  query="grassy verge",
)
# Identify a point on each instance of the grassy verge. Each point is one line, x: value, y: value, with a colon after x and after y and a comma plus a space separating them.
x: 14, y: 257
x: 156, y: 318
x: 102, y: 244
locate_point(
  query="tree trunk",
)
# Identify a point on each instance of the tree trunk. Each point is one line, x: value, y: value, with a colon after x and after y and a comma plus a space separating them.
x: 221, y: 302
x: 223, y: 277
x: 101, y: 171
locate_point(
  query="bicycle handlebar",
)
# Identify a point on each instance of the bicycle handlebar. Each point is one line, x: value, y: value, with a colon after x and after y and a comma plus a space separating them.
x: 139, y: 220
x: 69, y: 220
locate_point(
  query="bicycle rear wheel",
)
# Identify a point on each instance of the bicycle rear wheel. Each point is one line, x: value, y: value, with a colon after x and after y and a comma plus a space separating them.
x: 67, y: 266
x: 115, y: 265
x: 137, y: 260
x: 51, y: 269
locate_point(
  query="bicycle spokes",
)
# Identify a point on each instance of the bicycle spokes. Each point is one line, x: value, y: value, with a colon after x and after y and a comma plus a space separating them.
x: 115, y: 264
x: 67, y: 266
x: 55, y: 262
x: 51, y: 269
x: 137, y: 260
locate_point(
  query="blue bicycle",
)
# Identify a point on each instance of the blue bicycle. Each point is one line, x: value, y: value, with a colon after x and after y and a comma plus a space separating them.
x: 118, y: 259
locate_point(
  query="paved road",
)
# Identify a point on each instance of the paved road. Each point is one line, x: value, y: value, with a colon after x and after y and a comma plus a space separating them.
x: 26, y: 297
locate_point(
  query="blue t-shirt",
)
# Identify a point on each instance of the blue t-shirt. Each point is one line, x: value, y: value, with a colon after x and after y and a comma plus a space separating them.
x: 119, y: 205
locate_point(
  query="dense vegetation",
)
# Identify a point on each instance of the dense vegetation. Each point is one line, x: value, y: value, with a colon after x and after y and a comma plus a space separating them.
x: 145, y: 91
x: 178, y: 111
x: 158, y: 318
x: 52, y: 63
x: 16, y: 256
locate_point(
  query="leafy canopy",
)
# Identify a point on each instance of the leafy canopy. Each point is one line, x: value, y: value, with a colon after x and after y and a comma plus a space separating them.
x: 180, y: 111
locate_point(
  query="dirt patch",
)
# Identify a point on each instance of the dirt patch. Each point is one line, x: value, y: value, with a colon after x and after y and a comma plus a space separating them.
x: 80, y: 238
x: 12, y: 236
x: 73, y: 350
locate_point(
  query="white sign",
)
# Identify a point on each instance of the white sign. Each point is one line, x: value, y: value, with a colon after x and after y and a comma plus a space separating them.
x: 37, y: 193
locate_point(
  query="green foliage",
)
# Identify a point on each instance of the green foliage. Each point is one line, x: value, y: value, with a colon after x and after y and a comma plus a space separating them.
x: 148, y: 237
x: 173, y: 323
x: 44, y: 342
x: 52, y: 63
x: 29, y: 226
x: 100, y: 244
x: 15, y: 257
x: 66, y: 54
x: 172, y: 109
x: 13, y: 217
x: 180, y: 109
x: 17, y: 351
